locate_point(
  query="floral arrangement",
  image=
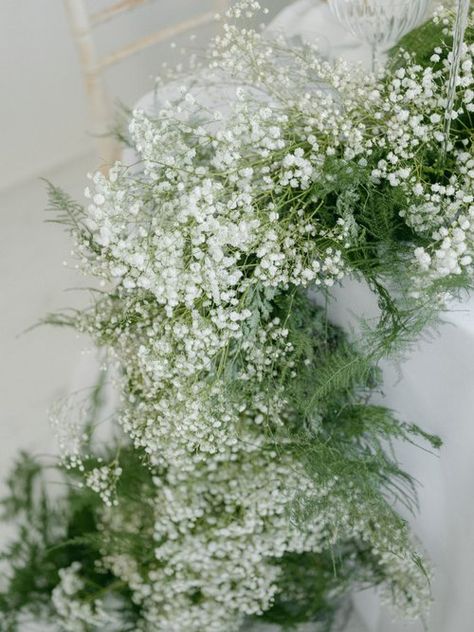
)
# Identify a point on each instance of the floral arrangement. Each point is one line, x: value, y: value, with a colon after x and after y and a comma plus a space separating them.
x: 252, y: 478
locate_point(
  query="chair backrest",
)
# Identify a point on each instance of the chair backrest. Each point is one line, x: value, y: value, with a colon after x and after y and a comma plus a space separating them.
x: 83, y: 24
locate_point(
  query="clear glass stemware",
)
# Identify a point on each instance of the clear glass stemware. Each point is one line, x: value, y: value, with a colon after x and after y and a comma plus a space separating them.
x: 380, y: 23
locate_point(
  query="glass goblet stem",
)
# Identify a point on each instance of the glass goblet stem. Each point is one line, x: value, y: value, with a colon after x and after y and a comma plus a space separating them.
x: 375, y: 56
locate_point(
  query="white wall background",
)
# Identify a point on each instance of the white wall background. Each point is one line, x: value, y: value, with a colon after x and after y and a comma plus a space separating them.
x: 43, y: 114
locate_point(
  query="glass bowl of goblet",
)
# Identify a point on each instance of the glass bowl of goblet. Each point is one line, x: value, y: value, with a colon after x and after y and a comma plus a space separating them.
x: 380, y: 23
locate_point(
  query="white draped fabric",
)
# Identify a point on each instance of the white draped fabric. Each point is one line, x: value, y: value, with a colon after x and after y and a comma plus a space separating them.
x: 434, y: 387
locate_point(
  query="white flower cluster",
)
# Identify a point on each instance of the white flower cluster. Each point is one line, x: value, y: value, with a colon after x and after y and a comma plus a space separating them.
x: 103, y: 480
x: 412, y: 109
x: 75, y: 613
x: 216, y: 539
x: 210, y: 220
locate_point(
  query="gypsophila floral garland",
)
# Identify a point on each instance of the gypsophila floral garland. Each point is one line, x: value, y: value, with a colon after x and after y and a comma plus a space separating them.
x: 252, y: 478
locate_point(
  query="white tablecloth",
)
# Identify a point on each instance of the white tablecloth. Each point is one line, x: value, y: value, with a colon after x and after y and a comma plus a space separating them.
x: 434, y: 388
